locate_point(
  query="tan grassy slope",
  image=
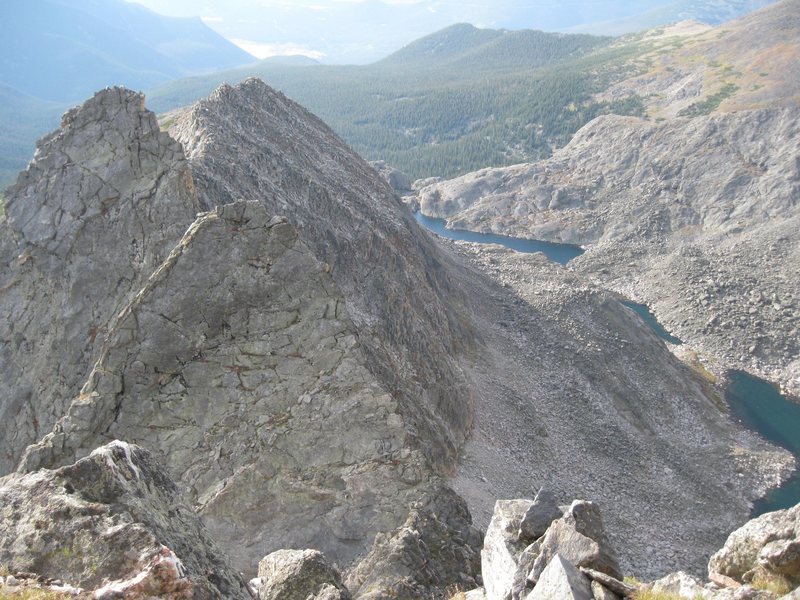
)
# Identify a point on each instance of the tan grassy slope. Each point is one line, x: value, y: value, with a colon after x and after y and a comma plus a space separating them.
x: 752, y: 62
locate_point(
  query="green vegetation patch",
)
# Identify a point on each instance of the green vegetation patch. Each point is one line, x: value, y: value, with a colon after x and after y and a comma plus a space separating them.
x: 711, y: 103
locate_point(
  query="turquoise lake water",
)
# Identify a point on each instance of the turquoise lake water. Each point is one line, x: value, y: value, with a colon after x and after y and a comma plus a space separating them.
x: 561, y: 253
x: 756, y: 404
x: 650, y: 319
x: 760, y: 406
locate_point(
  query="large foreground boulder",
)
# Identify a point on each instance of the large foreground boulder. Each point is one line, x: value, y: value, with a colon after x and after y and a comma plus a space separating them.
x: 434, y: 550
x: 299, y: 575
x: 115, y: 523
x: 767, y: 547
x: 512, y: 564
x: 502, y: 547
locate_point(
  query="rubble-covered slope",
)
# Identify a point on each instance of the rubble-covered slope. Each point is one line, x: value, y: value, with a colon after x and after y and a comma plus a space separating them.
x: 697, y: 217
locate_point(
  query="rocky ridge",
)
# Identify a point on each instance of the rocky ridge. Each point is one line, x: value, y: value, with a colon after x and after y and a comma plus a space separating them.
x: 245, y: 395
x: 308, y: 379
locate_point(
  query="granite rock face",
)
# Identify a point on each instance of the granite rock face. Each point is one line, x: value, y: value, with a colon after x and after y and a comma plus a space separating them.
x: 397, y: 285
x: 100, y: 206
x: 248, y: 395
x: 114, y: 523
x: 299, y: 575
x: 696, y: 217
x: 297, y: 375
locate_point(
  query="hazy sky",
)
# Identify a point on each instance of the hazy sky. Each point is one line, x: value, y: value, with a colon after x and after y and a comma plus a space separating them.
x: 357, y: 31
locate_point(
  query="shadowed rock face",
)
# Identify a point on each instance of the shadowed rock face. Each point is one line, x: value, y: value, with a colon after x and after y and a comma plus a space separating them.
x: 395, y: 282
x: 112, y: 521
x: 100, y: 206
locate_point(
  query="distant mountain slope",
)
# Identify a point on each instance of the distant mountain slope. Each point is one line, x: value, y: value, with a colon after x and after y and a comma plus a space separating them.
x: 466, y: 47
x: 466, y: 98
x: 451, y: 102
x: 711, y: 12
x: 752, y: 62
x: 62, y: 50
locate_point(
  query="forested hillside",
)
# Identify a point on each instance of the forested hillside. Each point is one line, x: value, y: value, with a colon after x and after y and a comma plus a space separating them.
x: 452, y: 102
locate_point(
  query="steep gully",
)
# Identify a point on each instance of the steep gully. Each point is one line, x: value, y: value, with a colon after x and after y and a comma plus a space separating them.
x: 753, y: 402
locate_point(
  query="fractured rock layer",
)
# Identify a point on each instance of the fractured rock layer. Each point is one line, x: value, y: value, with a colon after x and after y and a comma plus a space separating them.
x: 103, y: 202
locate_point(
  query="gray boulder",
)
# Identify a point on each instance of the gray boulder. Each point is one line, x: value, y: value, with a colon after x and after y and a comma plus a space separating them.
x: 502, y: 548
x: 562, y: 581
x: 539, y: 516
x: 679, y: 584
x: 115, y: 523
x: 299, y: 575
x: 580, y: 538
x: 767, y: 545
x: 434, y: 550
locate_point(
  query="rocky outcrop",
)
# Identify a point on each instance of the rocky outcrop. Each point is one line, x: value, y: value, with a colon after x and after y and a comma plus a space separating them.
x: 115, y: 524
x: 759, y: 562
x: 502, y: 548
x: 510, y: 566
x: 298, y: 575
x: 412, y: 325
x: 100, y: 206
x: 247, y: 396
x: 436, y: 549
x: 766, y: 548
x: 696, y: 217
x: 253, y: 354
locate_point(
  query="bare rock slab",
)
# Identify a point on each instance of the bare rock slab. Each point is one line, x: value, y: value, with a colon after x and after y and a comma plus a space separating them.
x: 561, y: 580
x: 501, y: 547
